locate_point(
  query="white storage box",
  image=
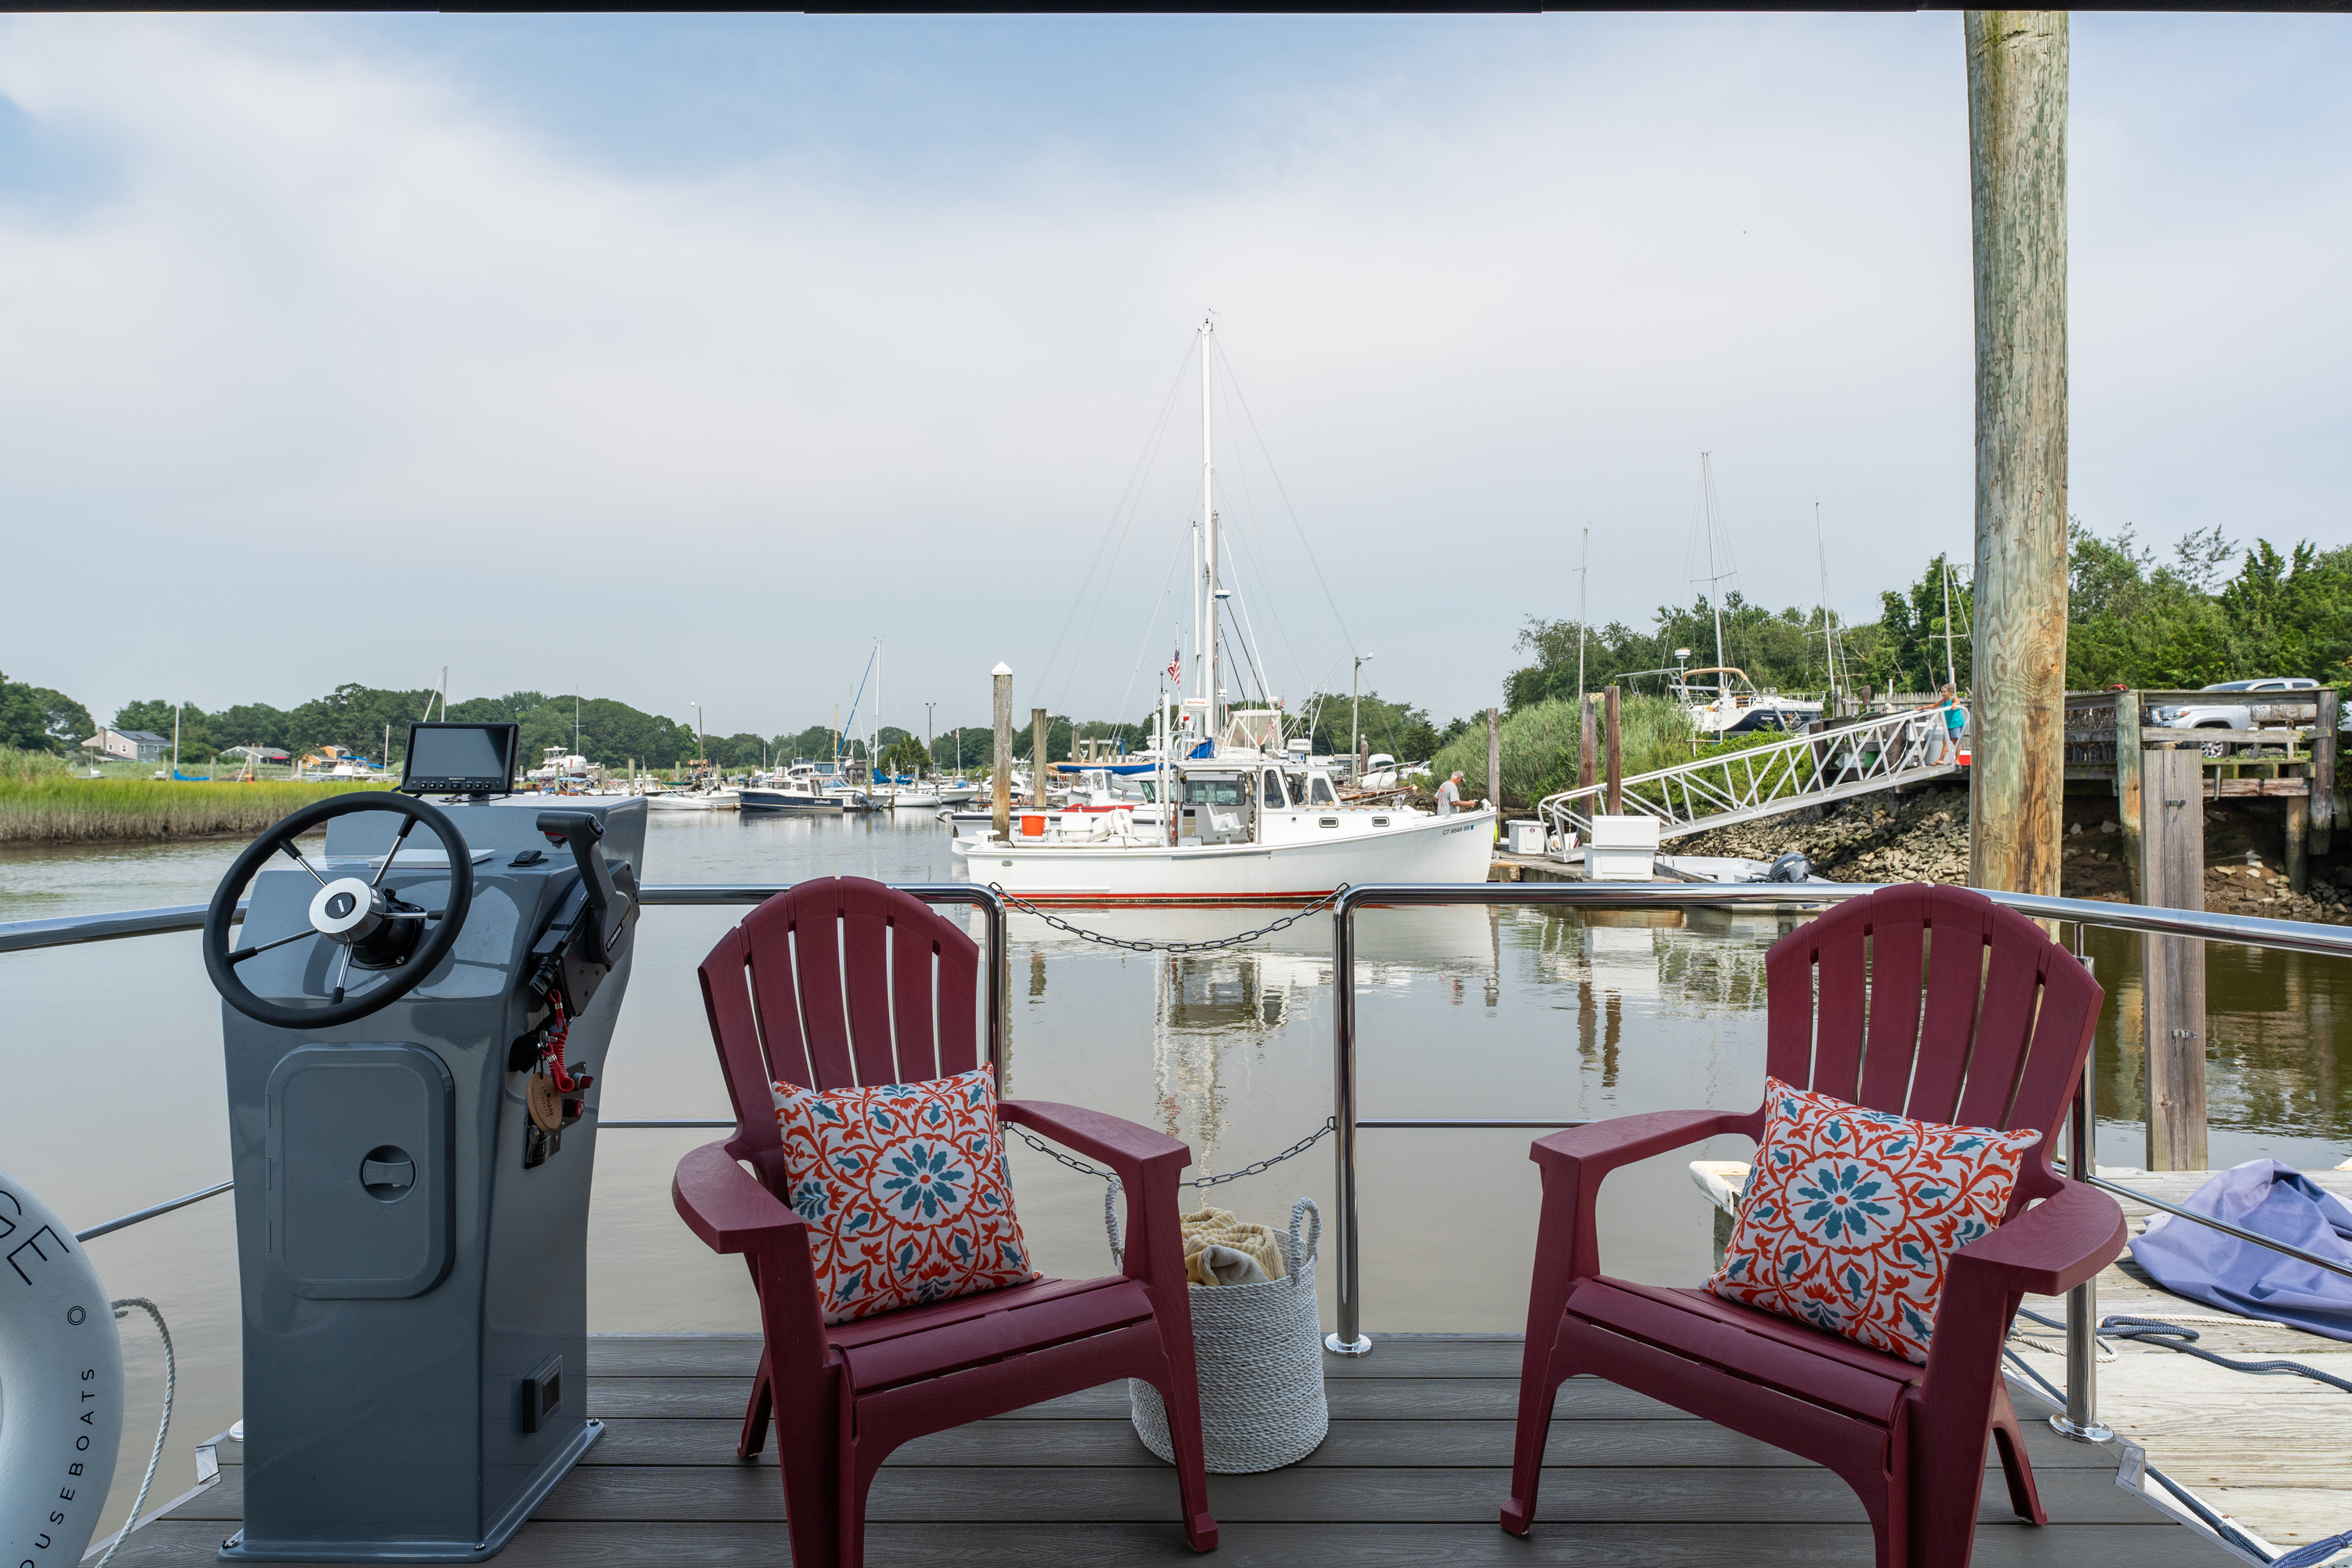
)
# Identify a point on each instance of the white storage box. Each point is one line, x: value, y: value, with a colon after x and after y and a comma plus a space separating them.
x: 1622, y: 850
x: 1524, y: 837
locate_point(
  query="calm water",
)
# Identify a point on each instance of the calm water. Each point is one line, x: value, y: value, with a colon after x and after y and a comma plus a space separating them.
x: 111, y: 1055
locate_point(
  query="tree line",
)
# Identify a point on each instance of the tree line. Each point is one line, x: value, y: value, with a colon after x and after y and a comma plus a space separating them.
x: 2209, y: 611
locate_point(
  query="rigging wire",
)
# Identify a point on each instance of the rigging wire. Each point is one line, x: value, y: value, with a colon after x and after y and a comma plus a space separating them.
x: 1249, y: 506
x: 1282, y: 490
x: 1130, y: 499
x: 1142, y: 642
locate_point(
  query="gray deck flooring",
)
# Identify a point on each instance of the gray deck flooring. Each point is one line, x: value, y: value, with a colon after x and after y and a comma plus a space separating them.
x: 1414, y: 1471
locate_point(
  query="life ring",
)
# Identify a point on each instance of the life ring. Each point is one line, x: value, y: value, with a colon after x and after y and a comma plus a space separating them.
x: 60, y: 1387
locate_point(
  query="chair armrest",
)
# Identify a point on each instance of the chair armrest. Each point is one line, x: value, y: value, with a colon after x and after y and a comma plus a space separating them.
x: 1599, y: 1147
x: 1576, y: 1161
x: 1126, y: 1148
x: 1146, y: 1164
x: 2048, y: 1250
x: 727, y: 1208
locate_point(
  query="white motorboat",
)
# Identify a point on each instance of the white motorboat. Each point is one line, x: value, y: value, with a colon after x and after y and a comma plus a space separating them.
x: 713, y: 797
x: 1229, y: 811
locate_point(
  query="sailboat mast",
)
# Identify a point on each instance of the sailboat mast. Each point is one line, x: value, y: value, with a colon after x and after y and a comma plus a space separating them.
x: 1714, y: 579
x: 1829, y: 644
x: 1209, y: 537
x: 1949, y: 673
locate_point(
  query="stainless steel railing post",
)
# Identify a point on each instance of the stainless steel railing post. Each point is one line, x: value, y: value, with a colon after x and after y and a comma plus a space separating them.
x: 1350, y: 1340
x: 2080, y: 1420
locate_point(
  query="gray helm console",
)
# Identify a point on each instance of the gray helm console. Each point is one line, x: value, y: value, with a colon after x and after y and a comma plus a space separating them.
x: 412, y: 1177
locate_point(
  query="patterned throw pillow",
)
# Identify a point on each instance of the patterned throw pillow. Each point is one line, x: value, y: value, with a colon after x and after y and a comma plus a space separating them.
x: 905, y: 1191
x: 1849, y: 1215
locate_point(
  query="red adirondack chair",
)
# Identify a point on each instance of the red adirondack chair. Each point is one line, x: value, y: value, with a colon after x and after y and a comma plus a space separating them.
x: 2000, y: 1042
x: 842, y: 981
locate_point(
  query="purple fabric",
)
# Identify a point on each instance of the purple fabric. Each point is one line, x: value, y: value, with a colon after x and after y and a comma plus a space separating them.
x: 2269, y: 1199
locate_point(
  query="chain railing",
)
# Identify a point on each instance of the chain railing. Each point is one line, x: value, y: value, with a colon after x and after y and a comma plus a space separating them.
x: 1141, y: 945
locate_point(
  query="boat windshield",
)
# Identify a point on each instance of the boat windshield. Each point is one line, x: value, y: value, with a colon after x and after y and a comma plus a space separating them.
x: 1213, y: 791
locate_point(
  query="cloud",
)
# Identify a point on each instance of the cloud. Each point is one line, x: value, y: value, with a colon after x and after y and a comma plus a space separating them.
x: 355, y: 360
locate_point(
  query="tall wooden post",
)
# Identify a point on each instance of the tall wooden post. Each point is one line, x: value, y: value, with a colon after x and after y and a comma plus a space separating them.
x: 1001, y: 779
x: 1616, y: 755
x: 1588, y: 742
x: 1494, y: 762
x: 2323, y: 772
x: 1037, y: 756
x: 2017, y: 163
x: 2128, y: 782
x: 2298, y: 842
x: 2172, y: 971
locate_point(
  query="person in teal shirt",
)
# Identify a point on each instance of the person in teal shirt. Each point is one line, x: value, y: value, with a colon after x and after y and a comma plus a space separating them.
x: 1955, y: 719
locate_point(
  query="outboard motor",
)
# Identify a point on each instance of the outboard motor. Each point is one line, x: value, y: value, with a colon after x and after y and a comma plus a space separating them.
x: 415, y: 1025
x: 1791, y: 867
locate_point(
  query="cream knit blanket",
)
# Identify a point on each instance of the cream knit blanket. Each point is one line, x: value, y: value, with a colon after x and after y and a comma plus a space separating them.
x: 1220, y: 1249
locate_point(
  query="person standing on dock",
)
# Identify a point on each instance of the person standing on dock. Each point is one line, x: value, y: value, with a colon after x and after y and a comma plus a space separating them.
x: 1449, y: 794
x: 1956, y: 719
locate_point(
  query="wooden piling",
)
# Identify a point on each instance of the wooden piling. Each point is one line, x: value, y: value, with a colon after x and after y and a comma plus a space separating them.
x: 2172, y: 969
x: 1495, y: 762
x: 1587, y: 744
x: 1001, y: 779
x: 2017, y: 65
x: 2298, y: 836
x: 2127, y: 759
x: 2323, y: 772
x: 1616, y: 755
x: 1037, y: 756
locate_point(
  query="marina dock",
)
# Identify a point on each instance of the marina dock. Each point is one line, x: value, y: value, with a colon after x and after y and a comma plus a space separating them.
x: 1416, y: 1465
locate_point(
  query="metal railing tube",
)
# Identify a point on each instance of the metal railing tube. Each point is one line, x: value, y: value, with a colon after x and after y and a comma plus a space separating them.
x: 69, y: 930
x: 2080, y: 1420
x: 2268, y: 1243
x: 1348, y: 1340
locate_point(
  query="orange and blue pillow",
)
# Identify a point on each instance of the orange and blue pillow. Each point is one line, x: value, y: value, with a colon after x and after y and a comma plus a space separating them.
x: 905, y: 1191
x: 1849, y: 1215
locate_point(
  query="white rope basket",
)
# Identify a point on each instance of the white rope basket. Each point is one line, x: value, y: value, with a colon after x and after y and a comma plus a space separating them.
x: 1258, y: 1350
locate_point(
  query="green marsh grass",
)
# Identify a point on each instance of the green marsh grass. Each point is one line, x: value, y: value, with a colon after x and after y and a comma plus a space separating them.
x: 41, y: 802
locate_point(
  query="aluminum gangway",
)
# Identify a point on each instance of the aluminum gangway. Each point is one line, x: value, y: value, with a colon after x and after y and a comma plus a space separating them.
x: 1732, y: 787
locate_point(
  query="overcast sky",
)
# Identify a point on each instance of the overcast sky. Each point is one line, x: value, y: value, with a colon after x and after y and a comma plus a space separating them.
x: 679, y: 360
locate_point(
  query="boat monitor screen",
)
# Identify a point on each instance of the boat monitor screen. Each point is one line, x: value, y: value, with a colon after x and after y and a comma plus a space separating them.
x: 460, y: 759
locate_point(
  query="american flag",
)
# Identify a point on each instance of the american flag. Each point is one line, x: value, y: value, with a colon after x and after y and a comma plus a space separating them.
x: 1176, y: 665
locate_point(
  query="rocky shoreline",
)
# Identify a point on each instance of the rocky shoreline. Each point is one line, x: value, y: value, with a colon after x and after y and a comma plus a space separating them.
x: 1923, y: 837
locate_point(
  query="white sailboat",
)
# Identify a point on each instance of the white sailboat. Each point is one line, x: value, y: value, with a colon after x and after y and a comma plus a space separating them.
x: 1234, y: 814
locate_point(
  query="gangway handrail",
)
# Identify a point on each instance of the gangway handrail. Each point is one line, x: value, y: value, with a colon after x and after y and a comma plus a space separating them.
x: 1754, y: 782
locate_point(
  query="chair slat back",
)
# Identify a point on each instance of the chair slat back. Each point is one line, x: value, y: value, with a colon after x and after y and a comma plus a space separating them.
x: 835, y: 983
x: 1934, y: 1003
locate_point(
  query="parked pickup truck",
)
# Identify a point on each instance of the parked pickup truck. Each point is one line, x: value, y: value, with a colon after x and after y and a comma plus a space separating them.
x: 2256, y: 702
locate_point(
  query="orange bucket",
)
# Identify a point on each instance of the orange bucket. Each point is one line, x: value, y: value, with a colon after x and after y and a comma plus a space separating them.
x: 1032, y: 825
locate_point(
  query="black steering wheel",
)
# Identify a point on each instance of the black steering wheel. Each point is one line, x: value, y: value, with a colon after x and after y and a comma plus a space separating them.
x: 377, y: 929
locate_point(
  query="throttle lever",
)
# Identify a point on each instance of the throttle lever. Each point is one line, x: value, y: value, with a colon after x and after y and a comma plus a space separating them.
x: 581, y: 830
